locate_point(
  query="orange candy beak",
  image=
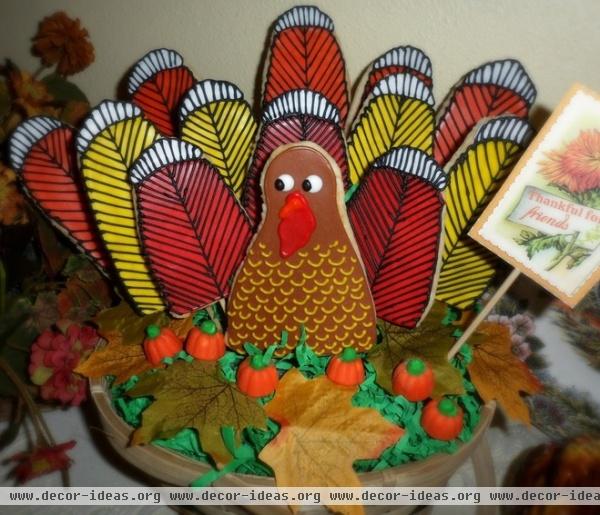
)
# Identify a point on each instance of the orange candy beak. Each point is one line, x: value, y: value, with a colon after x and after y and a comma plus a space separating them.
x: 297, y: 224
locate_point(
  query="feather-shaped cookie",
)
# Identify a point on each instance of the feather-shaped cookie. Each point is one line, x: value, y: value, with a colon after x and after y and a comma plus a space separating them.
x: 193, y: 230
x: 467, y: 267
x: 111, y: 139
x: 157, y: 84
x: 216, y: 118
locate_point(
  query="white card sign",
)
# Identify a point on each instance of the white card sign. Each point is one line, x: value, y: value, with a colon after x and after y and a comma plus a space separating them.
x: 545, y: 220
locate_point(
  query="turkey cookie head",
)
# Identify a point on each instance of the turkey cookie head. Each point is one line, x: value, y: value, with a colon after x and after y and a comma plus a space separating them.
x: 303, y: 194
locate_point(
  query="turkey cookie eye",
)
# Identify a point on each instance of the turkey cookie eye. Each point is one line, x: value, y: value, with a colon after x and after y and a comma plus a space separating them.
x: 284, y: 182
x: 312, y: 183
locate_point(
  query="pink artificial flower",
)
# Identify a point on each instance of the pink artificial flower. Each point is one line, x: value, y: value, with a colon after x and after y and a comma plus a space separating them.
x: 54, y: 356
x: 521, y: 350
x: 523, y: 325
x: 499, y: 319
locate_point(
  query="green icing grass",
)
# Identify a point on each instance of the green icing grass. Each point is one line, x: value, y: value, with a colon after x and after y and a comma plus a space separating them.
x: 415, y: 445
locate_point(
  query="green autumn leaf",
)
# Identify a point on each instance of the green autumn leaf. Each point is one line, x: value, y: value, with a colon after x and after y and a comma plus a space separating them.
x: 430, y: 342
x: 577, y: 256
x: 195, y: 395
x: 124, y: 320
x: 75, y: 262
x: 62, y: 90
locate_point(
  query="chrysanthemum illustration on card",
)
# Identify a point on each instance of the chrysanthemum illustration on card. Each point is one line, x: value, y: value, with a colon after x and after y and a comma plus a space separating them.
x: 545, y: 220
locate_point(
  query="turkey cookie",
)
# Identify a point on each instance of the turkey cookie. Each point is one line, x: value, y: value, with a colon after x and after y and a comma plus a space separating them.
x: 302, y: 271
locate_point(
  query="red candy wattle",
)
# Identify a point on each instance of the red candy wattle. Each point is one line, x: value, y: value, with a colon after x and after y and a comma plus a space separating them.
x: 297, y: 224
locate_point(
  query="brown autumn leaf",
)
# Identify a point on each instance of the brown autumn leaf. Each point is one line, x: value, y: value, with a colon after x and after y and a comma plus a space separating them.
x: 181, y: 326
x: 80, y: 300
x: 115, y: 359
x: 195, y: 395
x: 123, y: 356
x: 498, y: 374
x: 12, y: 203
x: 124, y: 320
x: 31, y: 96
x: 74, y: 112
x: 430, y: 342
x: 54, y: 252
x: 322, y: 435
x: 9, y: 124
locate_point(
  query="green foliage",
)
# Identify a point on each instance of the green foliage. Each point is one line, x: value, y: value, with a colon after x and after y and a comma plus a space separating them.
x: 564, y: 244
x: 578, y: 255
x: 589, y: 198
x: 63, y: 90
x: 535, y: 242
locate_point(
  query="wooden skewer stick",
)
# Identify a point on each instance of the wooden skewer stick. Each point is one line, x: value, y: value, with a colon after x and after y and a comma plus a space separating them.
x: 481, y: 316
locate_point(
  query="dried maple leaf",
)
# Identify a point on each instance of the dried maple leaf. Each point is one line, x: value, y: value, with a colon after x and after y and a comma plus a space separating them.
x: 31, y: 96
x: 12, y: 203
x: 182, y: 326
x: 195, y: 395
x: 123, y: 356
x: 74, y: 112
x: 124, y: 320
x: 45, y: 311
x: 115, y: 359
x: 80, y: 300
x: 430, y: 342
x: 322, y: 435
x: 498, y: 374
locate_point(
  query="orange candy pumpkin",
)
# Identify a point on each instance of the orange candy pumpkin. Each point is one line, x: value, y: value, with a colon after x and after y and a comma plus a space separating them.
x: 346, y: 369
x: 161, y: 343
x: 205, y: 342
x: 413, y: 379
x: 257, y: 376
x: 442, y: 419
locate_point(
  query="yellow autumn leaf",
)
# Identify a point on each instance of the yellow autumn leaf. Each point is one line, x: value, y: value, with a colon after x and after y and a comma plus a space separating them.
x: 116, y: 359
x: 498, y: 374
x: 123, y: 355
x: 123, y: 319
x: 322, y: 435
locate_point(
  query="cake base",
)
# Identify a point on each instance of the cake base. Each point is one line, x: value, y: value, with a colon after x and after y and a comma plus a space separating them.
x: 173, y: 469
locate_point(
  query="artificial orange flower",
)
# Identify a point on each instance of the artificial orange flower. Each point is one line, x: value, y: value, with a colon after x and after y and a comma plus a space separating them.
x: 576, y: 167
x: 63, y: 41
x: 30, y: 94
x: 12, y: 203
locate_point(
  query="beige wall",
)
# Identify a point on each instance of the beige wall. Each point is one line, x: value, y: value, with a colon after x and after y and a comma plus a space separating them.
x: 557, y: 40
